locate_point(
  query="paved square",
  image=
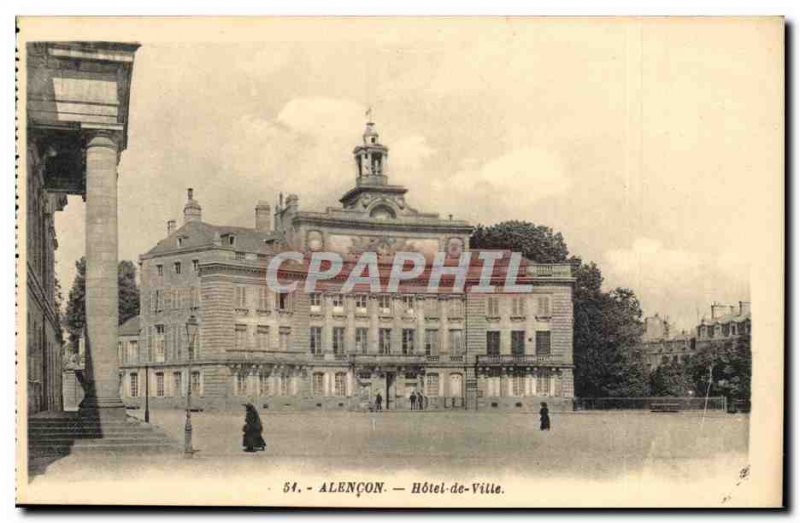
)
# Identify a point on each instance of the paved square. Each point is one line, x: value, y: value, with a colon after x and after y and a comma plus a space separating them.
x: 590, y: 444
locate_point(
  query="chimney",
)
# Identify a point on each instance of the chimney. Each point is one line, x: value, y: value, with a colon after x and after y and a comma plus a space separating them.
x: 263, y: 218
x: 719, y: 310
x: 292, y: 203
x: 170, y: 227
x: 744, y: 307
x: 192, y: 212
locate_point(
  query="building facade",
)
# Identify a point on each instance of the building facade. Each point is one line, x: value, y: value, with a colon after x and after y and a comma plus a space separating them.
x: 340, y: 350
x: 660, y: 345
x: 724, y: 326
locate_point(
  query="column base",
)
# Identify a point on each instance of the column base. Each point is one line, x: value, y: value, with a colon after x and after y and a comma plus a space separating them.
x: 109, y: 409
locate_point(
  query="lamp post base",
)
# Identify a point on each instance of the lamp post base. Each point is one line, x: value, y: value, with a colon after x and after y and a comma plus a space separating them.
x: 188, y: 451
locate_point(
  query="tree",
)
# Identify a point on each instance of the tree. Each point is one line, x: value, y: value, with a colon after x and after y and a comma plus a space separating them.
x: 670, y: 379
x: 607, y: 325
x: 75, y: 316
x: 535, y: 242
x: 607, y: 331
x: 128, y: 291
x: 728, y: 364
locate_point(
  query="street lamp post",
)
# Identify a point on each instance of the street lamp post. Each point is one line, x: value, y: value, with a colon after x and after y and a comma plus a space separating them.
x: 191, y: 332
x: 147, y: 393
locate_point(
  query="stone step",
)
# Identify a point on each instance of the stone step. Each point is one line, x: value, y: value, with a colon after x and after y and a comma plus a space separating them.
x: 91, y: 430
x: 62, y: 450
x: 64, y: 434
x: 125, y: 440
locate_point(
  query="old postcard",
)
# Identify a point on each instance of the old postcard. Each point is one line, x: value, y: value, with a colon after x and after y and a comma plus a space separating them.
x: 400, y: 262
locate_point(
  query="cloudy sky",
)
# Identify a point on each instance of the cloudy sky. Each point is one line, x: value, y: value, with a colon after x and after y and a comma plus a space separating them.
x: 639, y: 141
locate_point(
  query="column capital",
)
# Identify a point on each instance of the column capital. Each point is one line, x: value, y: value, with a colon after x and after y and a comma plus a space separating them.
x: 101, y: 137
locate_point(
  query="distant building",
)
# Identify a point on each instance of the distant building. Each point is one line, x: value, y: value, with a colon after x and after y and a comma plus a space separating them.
x: 726, y: 324
x: 333, y: 350
x: 660, y: 345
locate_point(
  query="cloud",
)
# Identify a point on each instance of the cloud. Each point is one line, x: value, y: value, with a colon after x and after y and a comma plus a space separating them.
x: 408, y: 154
x: 322, y: 117
x: 676, y: 282
x: 505, y: 187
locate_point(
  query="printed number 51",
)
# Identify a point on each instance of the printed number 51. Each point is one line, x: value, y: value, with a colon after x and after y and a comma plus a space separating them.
x: 290, y: 486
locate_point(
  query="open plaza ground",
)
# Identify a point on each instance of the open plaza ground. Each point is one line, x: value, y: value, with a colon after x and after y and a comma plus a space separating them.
x: 594, y: 444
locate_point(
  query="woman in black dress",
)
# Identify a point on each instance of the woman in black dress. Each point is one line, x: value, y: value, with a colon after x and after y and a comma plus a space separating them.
x: 544, y: 417
x: 252, y: 440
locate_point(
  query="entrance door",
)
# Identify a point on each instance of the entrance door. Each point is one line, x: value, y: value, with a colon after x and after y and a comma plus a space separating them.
x: 390, y: 389
x: 456, y: 381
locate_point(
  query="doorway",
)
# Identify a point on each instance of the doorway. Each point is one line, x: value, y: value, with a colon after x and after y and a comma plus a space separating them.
x: 390, y: 389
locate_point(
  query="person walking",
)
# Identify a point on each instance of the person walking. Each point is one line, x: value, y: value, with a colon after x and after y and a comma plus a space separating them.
x: 252, y: 439
x: 420, y: 401
x: 544, y: 417
x: 378, y: 401
x: 413, y: 400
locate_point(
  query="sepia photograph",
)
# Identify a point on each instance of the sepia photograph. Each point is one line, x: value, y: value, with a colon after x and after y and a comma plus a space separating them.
x: 400, y: 262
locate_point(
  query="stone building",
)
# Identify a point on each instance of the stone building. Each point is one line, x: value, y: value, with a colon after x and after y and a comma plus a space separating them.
x: 339, y: 350
x: 77, y: 112
x: 725, y: 325
x: 660, y: 345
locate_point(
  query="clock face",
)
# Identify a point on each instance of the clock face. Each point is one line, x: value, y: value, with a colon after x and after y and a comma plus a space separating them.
x: 455, y: 246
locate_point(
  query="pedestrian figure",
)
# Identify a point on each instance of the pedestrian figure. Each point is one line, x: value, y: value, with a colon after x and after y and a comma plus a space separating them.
x: 544, y: 417
x: 420, y: 401
x: 251, y: 439
x: 378, y: 401
x: 413, y: 400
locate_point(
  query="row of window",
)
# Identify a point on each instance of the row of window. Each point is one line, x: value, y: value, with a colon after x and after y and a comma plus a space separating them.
x: 542, y: 383
x: 431, y: 341
x: 167, y: 342
x: 242, y: 338
x: 264, y: 385
x: 164, y: 384
x: 242, y: 299
x: 408, y: 340
x: 177, y: 267
x: 542, y: 345
x: 724, y: 330
x: 386, y: 305
x: 181, y: 298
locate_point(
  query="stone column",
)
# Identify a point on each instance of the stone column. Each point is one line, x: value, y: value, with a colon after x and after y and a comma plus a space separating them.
x: 101, y: 275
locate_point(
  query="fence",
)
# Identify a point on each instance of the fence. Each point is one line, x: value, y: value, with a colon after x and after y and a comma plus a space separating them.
x: 683, y: 403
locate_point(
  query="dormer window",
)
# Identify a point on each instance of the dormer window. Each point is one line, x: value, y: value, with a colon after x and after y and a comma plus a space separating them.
x: 228, y: 239
x: 180, y: 241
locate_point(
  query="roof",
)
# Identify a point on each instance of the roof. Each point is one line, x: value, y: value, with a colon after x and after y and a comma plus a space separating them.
x: 200, y: 234
x: 129, y: 328
x: 727, y: 318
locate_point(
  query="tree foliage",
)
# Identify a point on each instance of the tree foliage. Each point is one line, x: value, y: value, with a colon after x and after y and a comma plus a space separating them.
x: 75, y: 315
x: 128, y: 291
x: 535, y: 242
x: 728, y: 364
x: 671, y: 379
x: 607, y: 325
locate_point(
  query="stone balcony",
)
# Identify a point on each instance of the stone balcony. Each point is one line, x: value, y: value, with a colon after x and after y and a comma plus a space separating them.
x: 520, y: 360
x: 550, y: 270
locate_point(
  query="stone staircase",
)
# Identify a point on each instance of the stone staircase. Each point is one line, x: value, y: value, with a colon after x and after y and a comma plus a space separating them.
x: 64, y: 433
